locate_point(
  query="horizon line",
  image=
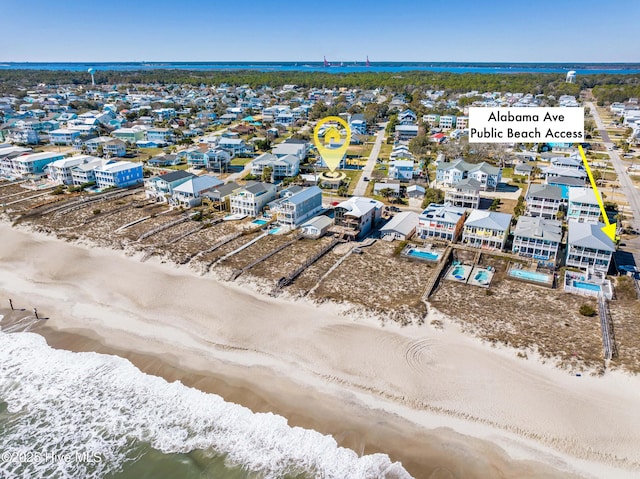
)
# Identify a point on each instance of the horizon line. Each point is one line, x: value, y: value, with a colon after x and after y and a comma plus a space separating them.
x: 321, y: 61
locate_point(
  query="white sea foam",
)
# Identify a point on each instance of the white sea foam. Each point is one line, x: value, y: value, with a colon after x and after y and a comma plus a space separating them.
x: 89, y: 403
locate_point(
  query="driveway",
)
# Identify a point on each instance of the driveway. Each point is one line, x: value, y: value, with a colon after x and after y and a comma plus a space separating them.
x: 367, y: 171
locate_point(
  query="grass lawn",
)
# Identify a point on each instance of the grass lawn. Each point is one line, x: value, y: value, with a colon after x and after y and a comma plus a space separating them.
x: 240, y: 161
x: 354, y: 176
x: 507, y: 172
x: 385, y: 151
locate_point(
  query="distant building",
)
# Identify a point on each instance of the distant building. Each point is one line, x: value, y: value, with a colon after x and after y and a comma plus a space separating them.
x: 453, y: 172
x: 33, y: 164
x: 401, y: 170
x: 63, y: 136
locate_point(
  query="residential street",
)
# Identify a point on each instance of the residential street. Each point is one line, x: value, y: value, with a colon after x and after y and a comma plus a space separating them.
x: 367, y: 171
x: 630, y: 191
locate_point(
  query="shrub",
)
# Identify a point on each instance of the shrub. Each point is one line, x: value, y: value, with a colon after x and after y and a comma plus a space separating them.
x: 97, y: 211
x: 587, y: 310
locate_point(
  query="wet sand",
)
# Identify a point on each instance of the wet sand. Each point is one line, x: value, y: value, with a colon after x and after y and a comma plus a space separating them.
x: 440, y: 402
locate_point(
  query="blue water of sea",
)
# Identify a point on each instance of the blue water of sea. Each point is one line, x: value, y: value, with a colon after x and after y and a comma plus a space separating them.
x: 346, y: 67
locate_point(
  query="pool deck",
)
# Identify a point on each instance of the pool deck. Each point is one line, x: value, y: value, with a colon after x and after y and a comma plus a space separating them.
x: 467, y: 272
x: 549, y: 283
x: 409, y: 247
x: 472, y: 278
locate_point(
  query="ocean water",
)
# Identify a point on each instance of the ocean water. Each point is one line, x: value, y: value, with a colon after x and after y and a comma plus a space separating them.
x: 347, y: 67
x: 90, y: 416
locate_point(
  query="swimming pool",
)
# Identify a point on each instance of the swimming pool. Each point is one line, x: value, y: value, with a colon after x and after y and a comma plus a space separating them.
x: 259, y: 222
x: 459, y: 272
x: 428, y: 255
x: 587, y: 286
x: 529, y: 275
x: 274, y: 231
x: 482, y: 277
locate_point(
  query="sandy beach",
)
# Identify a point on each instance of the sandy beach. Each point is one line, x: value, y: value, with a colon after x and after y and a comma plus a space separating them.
x: 441, y: 402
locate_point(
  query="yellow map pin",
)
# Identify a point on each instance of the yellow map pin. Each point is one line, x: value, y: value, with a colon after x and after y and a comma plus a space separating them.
x: 330, y: 148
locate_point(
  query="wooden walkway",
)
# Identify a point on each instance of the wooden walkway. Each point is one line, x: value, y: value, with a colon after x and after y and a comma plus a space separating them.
x: 437, y: 274
x: 606, y: 327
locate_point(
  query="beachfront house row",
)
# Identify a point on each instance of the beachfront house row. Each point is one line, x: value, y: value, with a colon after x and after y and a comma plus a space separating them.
x: 357, y: 216
x: 61, y: 171
x: 119, y: 174
x: 401, y: 170
x: 86, y: 172
x: 538, y: 238
x: 219, y: 196
x: 292, y: 209
x: 401, y: 227
x: 544, y: 201
x: 486, y: 229
x: 160, y: 188
x: 252, y: 198
x: 583, y: 205
x: 450, y: 173
x: 190, y: 192
x: 443, y: 222
x: 588, y: 246
x: 466, y: 194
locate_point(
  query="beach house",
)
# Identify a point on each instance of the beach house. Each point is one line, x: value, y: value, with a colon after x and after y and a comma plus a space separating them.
x: 544, y: 201
x: 441, y: 222
x: 160, y: 188
x: 356, y: 217
x: 281, y: 167
x: 401, y: 170
x: 119, y: 174
x: 588, y: 246
x: 189, y: 193
x: 583, y: 205
x: 316, y: 227
x: 466, y: 194
x: 486, y: 229
x: 63, y: 136
x: 401, y: 227
x: 161, y: 136
x: 209, y: 158
x: 219, y: 196
x: 61, y: 171
x: 293, y: 208
x: 450, y: 173
x: 252, y: 198
x: 86, y: 172
x: 131, y: 135
x: 538, y: 238
x: 34, y: 164
x: 297, y: 148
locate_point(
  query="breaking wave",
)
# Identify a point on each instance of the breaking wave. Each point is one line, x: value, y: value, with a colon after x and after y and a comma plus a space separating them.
x: 96, y: 406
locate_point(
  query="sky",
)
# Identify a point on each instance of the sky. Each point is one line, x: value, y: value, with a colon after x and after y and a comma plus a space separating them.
x: 278, y: 30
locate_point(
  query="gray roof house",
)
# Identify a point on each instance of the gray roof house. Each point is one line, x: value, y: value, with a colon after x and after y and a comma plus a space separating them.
x: 316, y: 227
x: 538, y: 238
x: 589, y: 247
x: 544, y: 201
x: 466, y: 194
x: 400, y: 227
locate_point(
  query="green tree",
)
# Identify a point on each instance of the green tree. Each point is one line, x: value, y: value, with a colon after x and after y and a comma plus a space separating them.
x: 267, y: 171
x: 391, y: 125
x: 432, y: 195
x: 495, y: 204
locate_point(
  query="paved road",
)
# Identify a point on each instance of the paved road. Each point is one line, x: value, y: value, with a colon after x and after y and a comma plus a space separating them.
x: 240, y: 174
x: 630, y: 191
x: 361, y: 187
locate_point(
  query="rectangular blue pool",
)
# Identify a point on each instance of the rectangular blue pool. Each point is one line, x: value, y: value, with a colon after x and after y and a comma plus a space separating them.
x: 588, y: 286
x: 530, y: 275
x: 259, y: 222
x: 426, y: 255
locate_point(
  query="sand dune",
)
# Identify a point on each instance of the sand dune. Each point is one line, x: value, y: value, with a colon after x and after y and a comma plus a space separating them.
x: 432, y: 398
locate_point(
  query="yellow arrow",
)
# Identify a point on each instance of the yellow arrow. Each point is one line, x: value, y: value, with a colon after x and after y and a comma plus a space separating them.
x: 610, y: 229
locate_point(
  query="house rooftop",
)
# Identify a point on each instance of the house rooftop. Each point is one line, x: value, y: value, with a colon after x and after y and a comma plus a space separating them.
x: 539, y: 228
x: 404, y: 223
x: 549, y: 192
x: 358, y: 206
x: 583, y: 195
x: 175, y: 175
x: 488, y: 220
x: 589, y: 235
